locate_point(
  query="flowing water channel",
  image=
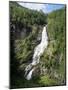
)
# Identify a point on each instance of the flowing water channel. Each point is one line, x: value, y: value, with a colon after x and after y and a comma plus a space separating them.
x: 38, y: 51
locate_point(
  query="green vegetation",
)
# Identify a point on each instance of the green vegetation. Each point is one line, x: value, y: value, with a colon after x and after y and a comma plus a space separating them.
x: 25, y: 27
x: 25, y: 17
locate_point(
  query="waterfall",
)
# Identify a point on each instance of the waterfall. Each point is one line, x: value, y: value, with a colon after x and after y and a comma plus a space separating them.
x: 38, y: 51
x: 28, y: 77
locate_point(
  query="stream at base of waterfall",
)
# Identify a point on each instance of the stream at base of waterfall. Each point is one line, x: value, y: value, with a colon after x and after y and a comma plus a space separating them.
x: 38, y: 51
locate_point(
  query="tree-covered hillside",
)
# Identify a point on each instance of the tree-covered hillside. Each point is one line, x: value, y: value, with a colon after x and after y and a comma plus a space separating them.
x: 25, y: 34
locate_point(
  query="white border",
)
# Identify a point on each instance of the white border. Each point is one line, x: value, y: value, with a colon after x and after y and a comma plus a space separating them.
x: 4, y: 43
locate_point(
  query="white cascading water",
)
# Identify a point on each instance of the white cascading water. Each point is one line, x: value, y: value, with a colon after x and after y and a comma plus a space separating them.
x: 38, y: 51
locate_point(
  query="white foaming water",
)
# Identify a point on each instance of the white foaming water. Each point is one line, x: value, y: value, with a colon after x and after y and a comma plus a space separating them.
x: 38, y: 51
x: 28, y: 77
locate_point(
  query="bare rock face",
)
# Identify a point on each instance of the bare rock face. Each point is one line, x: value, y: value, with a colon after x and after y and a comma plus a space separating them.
x: 22, y: 33
x: 36, y: 72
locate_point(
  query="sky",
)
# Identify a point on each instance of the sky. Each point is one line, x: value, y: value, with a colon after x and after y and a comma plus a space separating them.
x: 46, y: 8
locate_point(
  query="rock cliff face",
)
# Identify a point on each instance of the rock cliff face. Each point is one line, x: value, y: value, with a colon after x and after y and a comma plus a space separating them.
x: 20, y: 32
